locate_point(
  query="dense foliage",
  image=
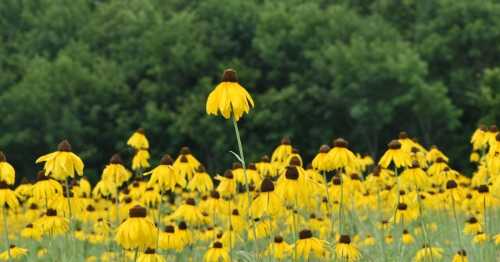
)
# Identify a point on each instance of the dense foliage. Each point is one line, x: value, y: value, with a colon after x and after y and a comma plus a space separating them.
x: 93, y: 71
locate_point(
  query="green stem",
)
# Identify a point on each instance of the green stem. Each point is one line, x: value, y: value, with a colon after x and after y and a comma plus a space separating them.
x: 242, y: 159
x: 159, y: 221
x: 6, y: 232
x: 341, y: 202
x: 457, y: 227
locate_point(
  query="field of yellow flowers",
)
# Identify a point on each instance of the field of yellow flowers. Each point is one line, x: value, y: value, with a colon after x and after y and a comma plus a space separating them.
x: 410, y: 205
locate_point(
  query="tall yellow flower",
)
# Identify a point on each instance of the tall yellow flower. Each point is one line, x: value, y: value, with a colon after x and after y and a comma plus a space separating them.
x: 395, y: 154
x: 340, y: 156
x: 63, y: 163
x: 138, y: 140
x: 229, y: 98
x: 7, y: 172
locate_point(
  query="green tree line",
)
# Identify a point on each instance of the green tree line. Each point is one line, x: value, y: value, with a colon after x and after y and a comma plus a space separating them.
x: 93, y: 71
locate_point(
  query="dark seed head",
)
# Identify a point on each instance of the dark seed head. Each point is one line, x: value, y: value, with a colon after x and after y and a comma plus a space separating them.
x: 116, y: 159
x: 394, y: 145
x: 295, y: 161
x: 340, y: 142
x: 182, y: 225
x: 229, y: 75
x: 3, y: 185
x: 278, y: 239
x: 64, y: 146
x: 402, y: 206
x: 140, y: 131
x: 324, y: 149
x: 415, y: 164
x: 137, y: 211
x: 493, y: 129
x: 2, y: 157
x: 305, y: 234
x: 51, y: 212
x: 169, y: 229
x: 345, y: 239
x: 451, y: 184
x: 440, y: 160
x: 190, y: 202
x: 200, y: 169
x: 214, y: 194
x: 264, y: 159
x: 149, y: 251
x: 483, y: 189
x: 267, y: 185
x: 183, y: 159
x: 285, y: 141
x: 462, y: 252
x: 403, y: 135
x: 90, y: 208
x: 217, y: 244
x: 336, y: 180
x: 292, y: 173
x: 228, y: 174
x: 235, y: 212
x: 237, y: 165
x: 166, y: 160
x: 29, y: 225
x: 472, y: 220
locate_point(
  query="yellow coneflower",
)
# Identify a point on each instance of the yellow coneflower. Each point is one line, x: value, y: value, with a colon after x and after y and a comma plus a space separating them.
x: 460, y: 256
x: 201, y: 181
x: 491, y: 135
x: 51, y: 224
x: 407, y: 238
x: 188, y: 212
x: 479, y: 138
x: 345, y: 250
x: 434, y: 154
x: 405, y: 213
x: 227, y: 185
x: 414, y: 178
x: 309, y: 246
x: 480, y: 238
x: 263, y: 228
x: 369, y: 241
x: 217, y: 253
x: 31, y: 232
x: 395, y: 155
x: 138, y: 140
x: 14, y: 252
x: 472, y: 226
x: 24, y: 190
x: 82, y: 187
x: 321, y: 160
x: 497, y: 239
x: 7, y: 196
x: 63, y: 163
x: 279, y: 249
x: 474, y: 157
x: 265, y: 167
x: 191, y: 160
x: 169, y: 240
x: 137, y: 231
x: 229, y: 98
x: 267, y: 202
x: 427, y: 252
x: 7, y: 172
x: 340, y: 156
x: 165, y: 176
x: 150, y: 255
x: 140, y: 159
x: 115, y: 171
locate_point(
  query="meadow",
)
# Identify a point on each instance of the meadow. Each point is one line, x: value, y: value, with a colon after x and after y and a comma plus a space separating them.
x: 409, y: 205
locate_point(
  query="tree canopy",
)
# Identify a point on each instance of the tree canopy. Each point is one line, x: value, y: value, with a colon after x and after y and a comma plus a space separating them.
x: 93, y: 71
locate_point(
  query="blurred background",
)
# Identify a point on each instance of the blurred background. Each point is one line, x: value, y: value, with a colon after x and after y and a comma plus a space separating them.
x: 93, y: 71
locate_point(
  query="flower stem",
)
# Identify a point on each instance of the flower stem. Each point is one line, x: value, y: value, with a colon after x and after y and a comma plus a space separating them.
x: 457, y: 227
x: 341, y: 202
x: 6, y: 232
x: 242, y: 160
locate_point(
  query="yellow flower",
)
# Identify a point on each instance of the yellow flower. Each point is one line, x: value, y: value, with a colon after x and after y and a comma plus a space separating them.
x: 407, y: 238
x: 169, y: 240
x: 321, y: 160
x: 137, y: 231
x: 165, y: 176
x: 191, y: 160
x: 279, y: 249
x: 414, y: 178
x: 31, y: 232
x: 13, y: 253
x: 479, y: 138
x: 7, y: 196
x: 309, y: 246
x: 460, y: 256
x: 346, y: 250
x: 150, y: 255
x: 395, y: 155
x: 115, y: 172
x: 138, y: 140
x: 281, y: 153
x: 52, y: 224
x: 267, y: 202
x: 229, y: 98
x: 428, y: 252
x: 63, y: 163
x: 480, y: 238
x: 217, y: 253
x: 201, y: 181
x: 141, y: 159
x: 434, y: 154
x: 340, y: 156
x: 188, y: 212
x: 7, y: 172
x: 45, y: 188
x: 227, y: 184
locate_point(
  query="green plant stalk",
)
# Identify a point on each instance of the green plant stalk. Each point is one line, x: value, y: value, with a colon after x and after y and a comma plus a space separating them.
x: 242, y: 159
x: 457, y: 227
x: 6, y: 232
x: 341, y: 202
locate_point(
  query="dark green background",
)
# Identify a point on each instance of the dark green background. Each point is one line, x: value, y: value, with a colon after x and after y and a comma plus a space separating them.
x: 94, y: 71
